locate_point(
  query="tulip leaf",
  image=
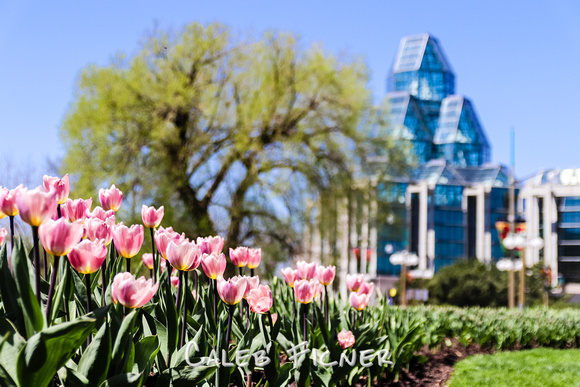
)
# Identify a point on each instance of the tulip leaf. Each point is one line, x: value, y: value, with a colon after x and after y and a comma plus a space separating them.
x: 171, y: 320
x: 9, y: 292
x: 124, y: 380
x: 284, y: 375
x: 185, y: 376
x: 73, y: 378
x: 10, y: 347
x: 33, y: 317
x: 145, y: 352
x: 123, y: 338
x: 94, y: 364
x: 59, y: 297
x: 47, y: 351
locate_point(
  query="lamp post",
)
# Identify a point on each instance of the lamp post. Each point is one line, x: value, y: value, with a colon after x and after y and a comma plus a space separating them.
x: 404, y: 258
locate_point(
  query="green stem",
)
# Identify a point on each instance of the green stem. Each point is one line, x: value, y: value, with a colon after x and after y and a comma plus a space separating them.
x: 153, y: 253
x: 36, y: 262
x: 51, y: 288
x: 184, y: 276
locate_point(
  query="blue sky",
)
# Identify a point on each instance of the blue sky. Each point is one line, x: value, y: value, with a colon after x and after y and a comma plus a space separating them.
x: 516, y: 60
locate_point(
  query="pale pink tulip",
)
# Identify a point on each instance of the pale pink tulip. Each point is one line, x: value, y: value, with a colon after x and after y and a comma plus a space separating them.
x: 3, y: 233
x: 152, y: 217
x: 326, y: 274
x: 232, y: 290
x: 61, y: 186
x: 260, y: 299
x: 96, y: 229
x: 251, y: 284
x: 59, y: 236
x: 110, y: 198
x: 8, y: 201
x: 306, y: 270
x: 185, y: 256
x: 213, y: 265
x: 36, y: 206
x: 88, y: 256
x: 148, y: 260
x: 290, y: 276
x: 239, y: 256
x: 127, y: 240
x: 317, y: 288
x: 345, y: 339
x: 254, y: 258
x: 106, y: 216
x: 211, y: 244
x: 354, y: 281
x: 304, y: 291
x: 358, y: 301
x: 165, y: 235
x: 174, y: 279
x: 77, y: 209
x: 132, y: 293
x: 367, y: 288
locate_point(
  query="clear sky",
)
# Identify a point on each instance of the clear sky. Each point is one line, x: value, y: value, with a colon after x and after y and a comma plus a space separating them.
x: 516, y: 60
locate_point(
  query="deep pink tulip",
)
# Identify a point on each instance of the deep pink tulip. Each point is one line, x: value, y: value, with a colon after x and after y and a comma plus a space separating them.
x: 96, y: 229
x: 306, y: 270
x: 232, y: 290
x: 367, y: 288
x: 211, y: 244
x: 326, y: 274
x: 260, y: 299
x: 239, y: 256
x: 61, y: 186
x: 254, y: 258
x: 152, y: 217
x: 290, y: 276
x: 132, y: 293
x: 185, y: 256
x: 251, y: 284
x: 36, y: 206
x: 110, y: 198
x: 354, y: 281
x: 88, y: 256
x: 358, y: 301
x: 345, y: 339
x: 164, y: 236
x: 148, y: 260
x: 213, y: 265
x: 8, y: 200
x: 127, y: 240
x: 59, y: 236
x: 77, y: 209
x: 3, y: 233
x: 106, y: 216
x: 304, y: 291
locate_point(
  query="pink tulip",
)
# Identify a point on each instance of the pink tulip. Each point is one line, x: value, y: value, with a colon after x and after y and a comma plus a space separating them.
x: 367, y: 288
x: 106, y: 216
x: 213, y: 265
x: 111, y: 198
x: 132, y: 293
x: 87, y: 257
x: 77, y: 209
x: 232, y: 290
x: 304, y: 291
x: 354, y: 281
x: 251, y: 284
x: 260, y: 299
x: 59, y: 236
x: 165, y: 235
x: 306, y: 270
x: 61, y: 186
x: 36, y: 206
x: 163, y: 265
x: 152, y: 217
x: 148, y: 260
x: 290, y: 276
x: 358, y: 301
x: 8, y: 201
x: 3, y: 233
x: 317, y: 288
x: 239, y: 256
x: 254, y: 258
x: 96, y: 229
x: 211, y: 245
x: 174, y: 279
x: 345, y: 339
x: 127, y: 240
x: 326, y: 274
x: 185, y: 256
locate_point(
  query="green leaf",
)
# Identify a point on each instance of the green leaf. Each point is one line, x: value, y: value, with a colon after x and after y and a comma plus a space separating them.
x: 73, y: 378
x: 9, y: 292
x: 47, y: 351
x: 145, y: 352
x: 185, y: 376
x: 94, y: 364
x: 124, y: 337
x: 59, y: 297
x: 124, y: 380
x: 5, y: 378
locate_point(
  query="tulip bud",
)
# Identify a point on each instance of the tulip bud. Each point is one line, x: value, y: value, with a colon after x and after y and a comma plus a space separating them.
x: 232, y: 290
x: 36, y: 206
x: 132, y: 293
x: 345, y: 339
x: 254, y: 258
x: 88, y: 256
x: 152, y: 217
x: 260, y: 299
x: 59, y: 236
x: 110, y: 198
x: 354, y: 281
x: 326, y: 274
x: 306, y: 270
x: 127, y: 240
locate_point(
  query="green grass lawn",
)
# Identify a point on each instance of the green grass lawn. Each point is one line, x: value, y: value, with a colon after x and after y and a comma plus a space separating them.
x: 536, y: 367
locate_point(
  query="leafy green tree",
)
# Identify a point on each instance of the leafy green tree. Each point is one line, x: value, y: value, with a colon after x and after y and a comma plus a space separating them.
x: 231, y: 136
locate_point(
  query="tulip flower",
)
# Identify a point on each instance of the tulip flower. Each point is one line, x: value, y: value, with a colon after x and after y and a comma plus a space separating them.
x: 326, y: 274
x: 8, y: 201
x: 3, y: 233
x: 164, y: 236
x: 304, y: 291
x: 260, y: 299
x: 110, y: 198
x: 88, y: 256
x: 213, y: 265
x: 231, y: 292
x: 354, y: 281
x: 211, y: 245
x: 152, y: 217
x: 132, y: 293
x: 254, y: 258
x: 128, y: 241
x: 239, y: 257
x: 61, y: 186
x: 306, y: 270
x: 345, y: 339
x: 358, y: 301
x: 367, y: 288
x: 148, y: 260
x: 185, y: 256
x: 96, y: 229
x: 174, y: 279
x: 106, y: 216
x: 60, y: 236
x: 251, y: 284
x: 36, y: 206
x: 77, y: 209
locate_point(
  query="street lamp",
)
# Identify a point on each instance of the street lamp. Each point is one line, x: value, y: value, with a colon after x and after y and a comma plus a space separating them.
x: 404, y: 258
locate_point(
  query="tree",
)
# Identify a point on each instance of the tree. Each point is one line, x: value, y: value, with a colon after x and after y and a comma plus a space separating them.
x: 231, y: 136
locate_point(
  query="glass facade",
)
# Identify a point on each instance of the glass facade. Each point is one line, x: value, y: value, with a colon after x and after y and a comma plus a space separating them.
x: 569, y: 237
